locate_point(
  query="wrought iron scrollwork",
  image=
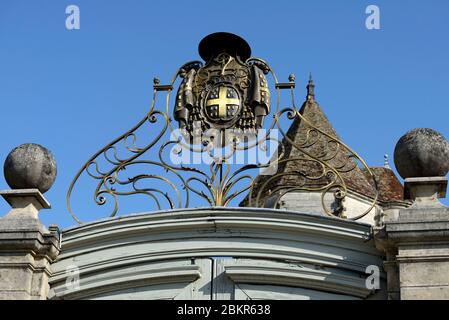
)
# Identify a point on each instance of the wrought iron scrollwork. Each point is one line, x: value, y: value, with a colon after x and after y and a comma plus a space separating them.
x: 221, y: 182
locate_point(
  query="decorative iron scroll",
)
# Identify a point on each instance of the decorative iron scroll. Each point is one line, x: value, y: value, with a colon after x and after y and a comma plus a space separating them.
x: 221, y: 182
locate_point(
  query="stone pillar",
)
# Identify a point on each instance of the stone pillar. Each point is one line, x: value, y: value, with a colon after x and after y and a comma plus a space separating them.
x: 416, y: 239
x: 27, y: 248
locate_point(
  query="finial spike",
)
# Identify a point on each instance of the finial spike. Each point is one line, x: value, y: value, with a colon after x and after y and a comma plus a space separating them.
x: 310, y: 89
x: 386, y: 162
x: 291, y: 77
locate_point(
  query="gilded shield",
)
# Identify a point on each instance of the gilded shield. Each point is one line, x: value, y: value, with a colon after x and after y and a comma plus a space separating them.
x: 222, y: 104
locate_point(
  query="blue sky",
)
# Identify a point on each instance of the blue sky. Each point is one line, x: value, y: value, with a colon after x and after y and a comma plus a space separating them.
x: 74, y: 91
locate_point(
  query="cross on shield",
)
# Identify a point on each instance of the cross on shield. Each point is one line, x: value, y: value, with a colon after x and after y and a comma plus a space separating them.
x: 222, y: 104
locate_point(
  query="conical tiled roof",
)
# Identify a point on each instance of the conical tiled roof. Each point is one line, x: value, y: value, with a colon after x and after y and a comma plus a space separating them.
x: 293, y: 172
x: 390, y: 189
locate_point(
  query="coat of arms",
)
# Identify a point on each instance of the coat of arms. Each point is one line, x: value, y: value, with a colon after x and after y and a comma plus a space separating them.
x: 229, y: 92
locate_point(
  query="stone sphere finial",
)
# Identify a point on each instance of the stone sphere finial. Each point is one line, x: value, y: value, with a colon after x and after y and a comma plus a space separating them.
x: 422, y: 152
x: 30, y: 166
